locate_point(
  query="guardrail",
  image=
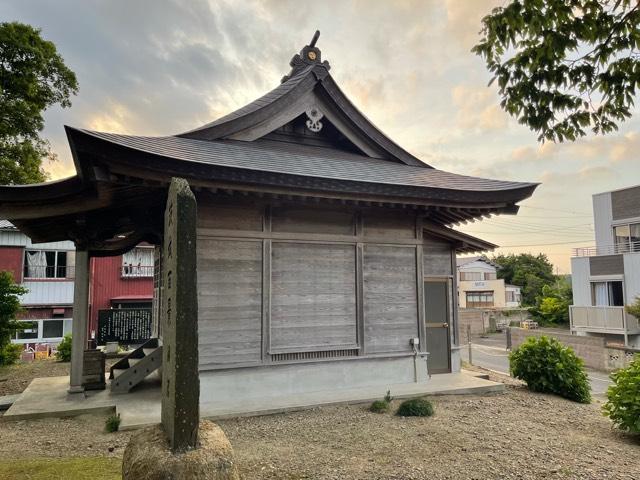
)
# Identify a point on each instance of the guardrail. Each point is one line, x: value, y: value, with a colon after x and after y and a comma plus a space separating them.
x: 618, y: 248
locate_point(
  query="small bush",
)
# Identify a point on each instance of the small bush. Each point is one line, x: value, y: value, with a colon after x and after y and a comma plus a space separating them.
x: 547, y: 366
x: 623, y: 398
x: 64, y: 349
x: 415, y: 407
x: 10, y: 354
x: 112, y: 423
x: 379, y: 406
x: 634, y: 308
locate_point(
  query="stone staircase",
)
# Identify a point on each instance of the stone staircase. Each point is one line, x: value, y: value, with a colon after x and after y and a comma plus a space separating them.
x: 135, y: 367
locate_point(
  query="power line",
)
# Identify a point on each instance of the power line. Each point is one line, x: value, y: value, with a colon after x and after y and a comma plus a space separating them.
x: 545, y: 244
x: 557, y: 210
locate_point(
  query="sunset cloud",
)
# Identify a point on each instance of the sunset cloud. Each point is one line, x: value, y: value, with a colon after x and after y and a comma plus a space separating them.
x: 162, y: 67
x: 477, y: 108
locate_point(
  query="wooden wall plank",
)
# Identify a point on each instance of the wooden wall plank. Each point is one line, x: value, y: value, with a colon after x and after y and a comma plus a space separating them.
x: 230, y: 301
x: 437, y: 256
x: 230, y: 217
x: 305, y: 220
x: 313, y: 296
x: 397, y: 225
x: 390, y: 298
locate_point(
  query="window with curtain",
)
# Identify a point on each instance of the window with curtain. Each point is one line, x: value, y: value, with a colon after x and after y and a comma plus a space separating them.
x: 480, y: 299
x: 607, y: 294
x: 48, y: 264
x: 138, y: 263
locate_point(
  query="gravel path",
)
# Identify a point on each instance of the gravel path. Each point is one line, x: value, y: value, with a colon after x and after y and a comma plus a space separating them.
x: 514, y: 435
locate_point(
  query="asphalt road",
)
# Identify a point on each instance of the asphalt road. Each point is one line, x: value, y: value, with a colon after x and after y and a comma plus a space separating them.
x: 491, y: 353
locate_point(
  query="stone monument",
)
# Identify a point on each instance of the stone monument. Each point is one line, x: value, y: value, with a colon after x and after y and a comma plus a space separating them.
x: 176, y: 449
x: 180, y: 380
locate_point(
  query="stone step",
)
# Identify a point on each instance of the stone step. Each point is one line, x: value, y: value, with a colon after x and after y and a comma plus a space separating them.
x: 118, y: 371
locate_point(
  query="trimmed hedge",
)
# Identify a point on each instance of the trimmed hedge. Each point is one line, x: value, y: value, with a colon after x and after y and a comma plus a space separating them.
x: 623, y: 398
x: 547, y: 366
x: 415, y: 407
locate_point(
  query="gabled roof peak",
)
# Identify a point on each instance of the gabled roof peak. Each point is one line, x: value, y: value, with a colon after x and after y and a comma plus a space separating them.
x: 309, y: 55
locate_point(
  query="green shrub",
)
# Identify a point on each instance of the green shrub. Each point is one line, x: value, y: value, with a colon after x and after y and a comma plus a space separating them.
x: 634, y: 308
x: 415, y: 407
x: 64, y: 349
x: 547, y: 366
x: 379, y: 406
x: 10, y: 354
x: 623, y: 398
x: 112, y: 424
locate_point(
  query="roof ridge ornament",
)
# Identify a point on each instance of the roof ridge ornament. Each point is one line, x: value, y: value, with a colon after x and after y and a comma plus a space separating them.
x: 309, y: 55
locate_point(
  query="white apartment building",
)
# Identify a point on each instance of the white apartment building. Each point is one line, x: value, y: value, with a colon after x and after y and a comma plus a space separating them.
x: 606, y: 277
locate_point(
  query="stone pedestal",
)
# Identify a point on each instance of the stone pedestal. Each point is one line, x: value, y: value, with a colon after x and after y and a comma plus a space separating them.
x: 93, y: 370
x: 148, y: 456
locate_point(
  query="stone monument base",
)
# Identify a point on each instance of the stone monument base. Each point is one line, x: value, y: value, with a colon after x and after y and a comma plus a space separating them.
x: 148, y: 456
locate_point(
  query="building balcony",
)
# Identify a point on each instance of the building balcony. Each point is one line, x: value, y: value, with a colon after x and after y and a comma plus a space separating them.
x: 137, y: 271
x: 615, y: 249
x: 609, y: 320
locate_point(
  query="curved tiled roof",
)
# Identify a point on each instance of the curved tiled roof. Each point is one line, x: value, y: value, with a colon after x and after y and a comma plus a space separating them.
x: 306, y: 161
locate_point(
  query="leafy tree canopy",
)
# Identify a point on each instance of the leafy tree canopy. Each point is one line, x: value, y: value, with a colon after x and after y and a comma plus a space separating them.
x: 552, y: 306
x: 564, y: 66
x: 531, y: 272
x: 33, y: 77
x: 9, y: 306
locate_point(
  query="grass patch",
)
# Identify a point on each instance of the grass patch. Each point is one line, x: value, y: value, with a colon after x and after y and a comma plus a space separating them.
x: 89, y: 468
x: 379, y: 406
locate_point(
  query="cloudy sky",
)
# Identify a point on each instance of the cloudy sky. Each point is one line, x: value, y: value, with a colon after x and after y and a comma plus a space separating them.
x: 161, y: 67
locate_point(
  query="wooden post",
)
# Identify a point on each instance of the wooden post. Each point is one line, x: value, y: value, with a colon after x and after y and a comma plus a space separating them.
x: 180, y: 379
x: 80, y: 319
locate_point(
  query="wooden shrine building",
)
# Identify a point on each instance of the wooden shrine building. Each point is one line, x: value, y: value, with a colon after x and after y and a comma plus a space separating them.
x: 325, y: 251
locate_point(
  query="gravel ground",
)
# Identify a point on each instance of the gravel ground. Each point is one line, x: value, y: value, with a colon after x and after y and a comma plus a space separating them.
x: 15, y: 378
x: 517, y: 434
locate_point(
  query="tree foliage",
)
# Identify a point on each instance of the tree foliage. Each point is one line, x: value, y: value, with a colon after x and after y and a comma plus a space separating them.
x: 634, y: 308
x: 530, y: 272
x: 564, y: 66
x: 552, y: 306
x: 33, y: 77
x: 9, y: 307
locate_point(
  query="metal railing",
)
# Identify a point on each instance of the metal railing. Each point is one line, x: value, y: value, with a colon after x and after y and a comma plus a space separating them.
x: 135, y: 271
x: 615, y: 249
x: 602, y: 319
x: 45, y: 271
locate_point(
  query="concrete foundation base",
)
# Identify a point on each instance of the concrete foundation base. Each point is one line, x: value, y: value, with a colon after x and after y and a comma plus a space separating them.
x: 48, y: 397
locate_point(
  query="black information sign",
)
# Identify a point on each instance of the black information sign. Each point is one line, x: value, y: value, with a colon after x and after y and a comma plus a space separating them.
x: 128, y: 326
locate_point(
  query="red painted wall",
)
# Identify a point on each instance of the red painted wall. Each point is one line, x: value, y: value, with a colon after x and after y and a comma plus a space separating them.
x: 11, y: 259
x: 107, y: 282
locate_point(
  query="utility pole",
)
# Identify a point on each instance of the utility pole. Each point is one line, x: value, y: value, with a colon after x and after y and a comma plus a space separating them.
x: 469, y: 341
